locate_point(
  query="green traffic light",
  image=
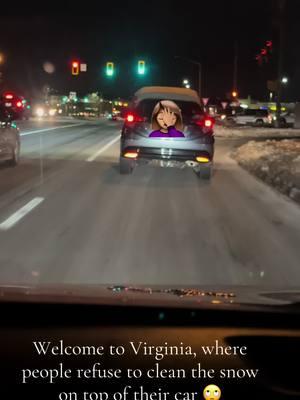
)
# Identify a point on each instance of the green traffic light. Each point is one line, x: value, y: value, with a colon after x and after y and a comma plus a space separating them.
x: 110, y: 69
x: 141, y: 67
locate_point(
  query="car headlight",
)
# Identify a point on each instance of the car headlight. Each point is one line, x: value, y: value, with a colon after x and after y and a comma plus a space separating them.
x: 40, y: 112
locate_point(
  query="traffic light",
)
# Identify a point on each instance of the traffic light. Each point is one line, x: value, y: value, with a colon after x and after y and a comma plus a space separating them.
x: 75, y: 68
x: 269, y: 45
x: 141, y: 67
x: 110, y: 69
x: 263, y: 52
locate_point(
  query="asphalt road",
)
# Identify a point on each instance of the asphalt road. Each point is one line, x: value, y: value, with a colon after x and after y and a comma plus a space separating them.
x: 68, y: 216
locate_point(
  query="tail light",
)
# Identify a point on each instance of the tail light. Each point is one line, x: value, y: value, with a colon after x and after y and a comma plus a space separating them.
x: 19, y: 104
x: 132, y: 118
x: 131, y: 154
x: 207, y: 123
x: 202, y: 159
x: 9, y: 96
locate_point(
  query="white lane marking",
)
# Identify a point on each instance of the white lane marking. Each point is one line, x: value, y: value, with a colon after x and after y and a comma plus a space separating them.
x: 95, y: 155
x: 14, y: 218
x: 49, y: 129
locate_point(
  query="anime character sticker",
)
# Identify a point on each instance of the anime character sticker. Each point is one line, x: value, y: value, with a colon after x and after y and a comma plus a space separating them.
x: 166, y: 120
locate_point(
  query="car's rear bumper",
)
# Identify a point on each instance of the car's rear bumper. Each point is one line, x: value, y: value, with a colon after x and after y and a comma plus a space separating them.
x: 170, y: 148
x: 156, y: 153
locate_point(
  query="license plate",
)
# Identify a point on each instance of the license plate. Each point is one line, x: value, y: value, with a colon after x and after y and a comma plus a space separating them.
x: 8, y: 104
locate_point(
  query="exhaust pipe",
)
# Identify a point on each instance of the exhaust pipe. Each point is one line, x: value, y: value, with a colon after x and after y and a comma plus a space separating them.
x: 191, y: 163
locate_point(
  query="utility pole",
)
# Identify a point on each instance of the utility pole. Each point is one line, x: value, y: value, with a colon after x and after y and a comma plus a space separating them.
x: 2, y: 58
x: 281, y: 19
x: 199, y: 72
x: 199, y: 79
x: 235, y: 67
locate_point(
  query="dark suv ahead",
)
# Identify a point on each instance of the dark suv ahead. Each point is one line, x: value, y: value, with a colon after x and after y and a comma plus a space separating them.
x: 195, y: 149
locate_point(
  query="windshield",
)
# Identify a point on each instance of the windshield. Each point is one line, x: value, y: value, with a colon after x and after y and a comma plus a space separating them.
x: 90, y: 195
x: 188, y: 109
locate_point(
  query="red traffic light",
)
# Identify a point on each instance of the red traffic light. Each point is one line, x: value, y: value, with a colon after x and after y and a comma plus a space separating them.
x: 263, y: 52
x: 269, y: 43
x: 75, y: 67
x: 19, y: 104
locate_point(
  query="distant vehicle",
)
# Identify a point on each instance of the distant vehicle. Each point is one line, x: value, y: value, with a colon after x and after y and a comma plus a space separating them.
x: 287, y: 119
x: 226, y: 117
x: 256, y: 117
x: 43, y: 111
x: 114, y: 116
x: 195, y: 149
x: 9, y: 138
x: 16, y: 105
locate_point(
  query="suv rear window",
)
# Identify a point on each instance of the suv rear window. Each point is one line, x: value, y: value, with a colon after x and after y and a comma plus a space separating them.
x: 188, y: 108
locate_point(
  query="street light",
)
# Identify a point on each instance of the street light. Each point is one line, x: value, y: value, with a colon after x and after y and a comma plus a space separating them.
x: 2, y: 58
x: 185, y: 82
x: 284, y: 80
x: 188, y: 86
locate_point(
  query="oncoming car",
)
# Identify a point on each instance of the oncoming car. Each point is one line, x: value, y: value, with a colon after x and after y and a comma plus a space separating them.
x: 194, y: 149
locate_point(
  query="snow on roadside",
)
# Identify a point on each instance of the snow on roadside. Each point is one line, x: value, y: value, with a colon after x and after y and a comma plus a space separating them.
x: 277, y: 162
x: 248, y: 131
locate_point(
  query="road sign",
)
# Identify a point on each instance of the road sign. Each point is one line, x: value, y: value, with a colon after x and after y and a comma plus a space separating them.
x: 205, y: 100
x: 83, y: 67
x: 224, y: 104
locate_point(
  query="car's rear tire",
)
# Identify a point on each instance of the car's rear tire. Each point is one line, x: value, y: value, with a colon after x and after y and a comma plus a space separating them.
x: 205, y: 172
x: 126, y: 166
x: 14, y: 161
x: 259, y: 122
x: 283, y: 123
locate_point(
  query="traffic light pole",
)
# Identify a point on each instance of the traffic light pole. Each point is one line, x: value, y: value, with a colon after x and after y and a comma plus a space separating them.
x: 281, y: 7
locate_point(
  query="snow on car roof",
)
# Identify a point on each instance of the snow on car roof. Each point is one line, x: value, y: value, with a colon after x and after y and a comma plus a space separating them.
x: 167, y: 92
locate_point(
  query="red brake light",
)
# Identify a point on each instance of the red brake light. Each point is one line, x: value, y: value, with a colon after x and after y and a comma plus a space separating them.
x: 19, y: 104
x: 208, y: 123
x: 134, y: 118
x: 130, y: 118
x: 9, y: 96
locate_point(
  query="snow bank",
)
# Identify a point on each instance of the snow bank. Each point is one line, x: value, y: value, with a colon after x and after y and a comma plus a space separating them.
x: 277, y: 162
